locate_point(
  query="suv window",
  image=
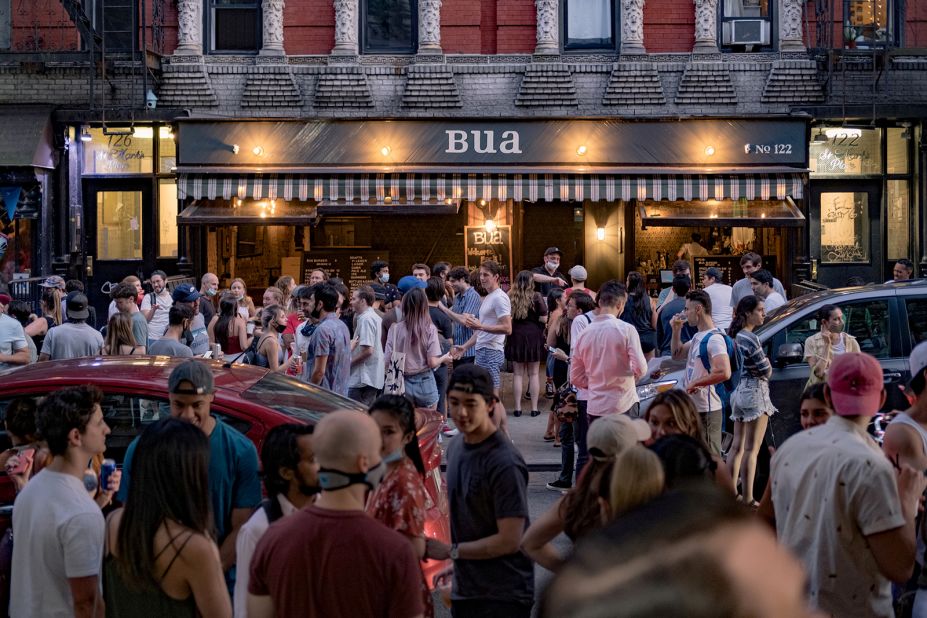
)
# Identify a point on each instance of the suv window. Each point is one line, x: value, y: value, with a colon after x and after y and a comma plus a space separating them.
x: 865, y: 320
x: 917, y: 319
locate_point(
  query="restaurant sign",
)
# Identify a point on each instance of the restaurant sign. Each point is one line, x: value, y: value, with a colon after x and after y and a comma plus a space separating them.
x: 569, y: 144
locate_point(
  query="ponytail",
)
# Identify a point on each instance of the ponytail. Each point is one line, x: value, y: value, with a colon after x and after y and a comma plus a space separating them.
x: 402, y: 410
x: 746, y: 305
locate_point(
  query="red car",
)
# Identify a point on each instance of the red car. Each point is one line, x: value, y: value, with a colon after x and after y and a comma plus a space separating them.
x: 250, y: 399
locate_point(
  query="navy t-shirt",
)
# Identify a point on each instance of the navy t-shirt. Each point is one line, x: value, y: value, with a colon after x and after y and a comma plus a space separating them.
x: 486, y: 482
x: 233, y: 475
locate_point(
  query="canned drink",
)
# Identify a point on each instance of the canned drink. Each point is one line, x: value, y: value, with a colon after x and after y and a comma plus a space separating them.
x: 217, y: 351
x: 106, y: 471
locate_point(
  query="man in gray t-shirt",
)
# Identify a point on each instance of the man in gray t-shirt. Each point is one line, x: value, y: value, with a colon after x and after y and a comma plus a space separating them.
x: 74, y: 338
x: 328, y: 355
x: 178, y: 320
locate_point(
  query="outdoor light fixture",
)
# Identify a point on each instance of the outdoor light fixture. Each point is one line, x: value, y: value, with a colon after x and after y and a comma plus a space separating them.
x: 600, y: 233
x: 85, y: 133
x: 257, y: 151
x: 388, y: 199
x: 709, y: 151
x: 385, y: 151
x: 490, y: 225
x: 581, y: 151
x: 820, y: 138
x: 482, y: 202
x: 235, y: 148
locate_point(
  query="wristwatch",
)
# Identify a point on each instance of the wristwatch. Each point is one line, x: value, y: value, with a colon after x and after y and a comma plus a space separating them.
x: 455, y: 552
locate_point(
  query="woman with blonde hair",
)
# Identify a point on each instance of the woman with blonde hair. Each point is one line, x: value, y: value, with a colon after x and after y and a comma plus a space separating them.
x: 245, y: 305
x: 119, y: 338
x: 525, y: 346
x: 636, y: 478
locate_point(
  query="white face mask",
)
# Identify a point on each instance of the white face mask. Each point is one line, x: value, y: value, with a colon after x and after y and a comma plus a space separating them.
x: 384, y: 278
x: 552, y: 265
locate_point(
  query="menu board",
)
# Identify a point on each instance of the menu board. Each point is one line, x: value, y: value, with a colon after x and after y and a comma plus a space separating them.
x: 729, y: 265
x: 351, y: 265
x: 481, y: 244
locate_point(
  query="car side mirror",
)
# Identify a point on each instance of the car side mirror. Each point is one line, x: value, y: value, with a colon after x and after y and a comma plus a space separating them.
x: 789, y: 354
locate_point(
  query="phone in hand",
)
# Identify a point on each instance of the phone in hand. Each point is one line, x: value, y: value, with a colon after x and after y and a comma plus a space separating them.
x: 24, y: 457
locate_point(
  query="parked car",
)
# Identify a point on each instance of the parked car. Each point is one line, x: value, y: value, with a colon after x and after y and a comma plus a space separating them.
x: 250, y: 399
x: 887, y: 320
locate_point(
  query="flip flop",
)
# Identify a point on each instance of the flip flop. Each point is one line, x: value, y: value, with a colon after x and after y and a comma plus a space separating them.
x: 549, y: 438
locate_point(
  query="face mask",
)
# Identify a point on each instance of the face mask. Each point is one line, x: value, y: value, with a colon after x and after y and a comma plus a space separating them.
x: 331, y: 480
x: 238, y: 296
x: 280, y: 328
x: 211, y: 292
x: 384, y: 278
x: 139, y: 298
x: 552, y: 265
x: 309, y: 490
x: 394, y: 456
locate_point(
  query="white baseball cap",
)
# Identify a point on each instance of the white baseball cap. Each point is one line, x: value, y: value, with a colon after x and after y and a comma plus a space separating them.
x: 918, y: 360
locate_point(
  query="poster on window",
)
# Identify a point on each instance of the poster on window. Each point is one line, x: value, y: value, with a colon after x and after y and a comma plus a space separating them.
x: 844, y: 227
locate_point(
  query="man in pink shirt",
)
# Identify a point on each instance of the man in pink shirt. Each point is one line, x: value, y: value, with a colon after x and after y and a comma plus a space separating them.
x: 606, y: 360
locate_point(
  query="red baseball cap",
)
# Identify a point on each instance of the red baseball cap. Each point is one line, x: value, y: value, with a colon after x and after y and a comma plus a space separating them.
x: 856, y: 384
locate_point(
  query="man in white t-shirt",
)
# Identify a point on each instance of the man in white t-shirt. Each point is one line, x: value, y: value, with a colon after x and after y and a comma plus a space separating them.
x: 750, y: 263
x: 762, y: 283
x: 155, y: 306
x: 58, y: 554
x: 700, y: 382
x: 490, y: 330
x: 720, y: 293
x: 366, y: 353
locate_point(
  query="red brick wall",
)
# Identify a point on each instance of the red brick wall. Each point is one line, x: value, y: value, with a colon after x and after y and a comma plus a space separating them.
x: 915, y: 34
x: 460, y: 26
x: 669, y: 26
x: 309, y: 27
x: 42, y: 25
x: 516, y: 31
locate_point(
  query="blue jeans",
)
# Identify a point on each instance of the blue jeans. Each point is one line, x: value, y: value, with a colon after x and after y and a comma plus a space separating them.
x: 567, y: 452
x: 421, y: 389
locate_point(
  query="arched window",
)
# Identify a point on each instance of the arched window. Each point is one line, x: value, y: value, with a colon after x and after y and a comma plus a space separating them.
x: 590, y: 24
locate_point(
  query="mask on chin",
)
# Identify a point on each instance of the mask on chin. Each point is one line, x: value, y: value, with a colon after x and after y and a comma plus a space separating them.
x: 394, y: 456
x: 280, y: 328
x: 309, y: 490
x: 332, y: 480
x: 211, y: 292
x: 139, y: 298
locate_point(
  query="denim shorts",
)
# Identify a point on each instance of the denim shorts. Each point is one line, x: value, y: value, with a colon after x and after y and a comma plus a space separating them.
x: 422, y: 389
x: 491, y: 361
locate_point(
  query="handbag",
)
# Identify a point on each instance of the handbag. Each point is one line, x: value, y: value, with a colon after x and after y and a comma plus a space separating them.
x: 394, y: 384
x: 565, y: 406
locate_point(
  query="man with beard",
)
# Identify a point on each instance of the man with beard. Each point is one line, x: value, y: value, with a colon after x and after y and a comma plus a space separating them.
x: 291, y: 478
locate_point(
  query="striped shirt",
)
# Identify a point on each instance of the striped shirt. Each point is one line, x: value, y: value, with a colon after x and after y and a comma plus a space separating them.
x: 468, y: 302
x: 755, y: 363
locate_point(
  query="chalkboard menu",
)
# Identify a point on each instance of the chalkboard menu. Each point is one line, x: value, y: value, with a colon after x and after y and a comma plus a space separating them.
x: 481, y: 244
x: 351, y: 265
x: 729, y: 265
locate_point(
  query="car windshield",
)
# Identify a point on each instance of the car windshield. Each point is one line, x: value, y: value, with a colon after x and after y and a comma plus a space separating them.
x: 302, y: 401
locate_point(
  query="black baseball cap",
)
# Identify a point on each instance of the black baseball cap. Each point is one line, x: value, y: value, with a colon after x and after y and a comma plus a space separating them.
x: 473, y: 379
x: 551, y: 250
x: 76, y: 304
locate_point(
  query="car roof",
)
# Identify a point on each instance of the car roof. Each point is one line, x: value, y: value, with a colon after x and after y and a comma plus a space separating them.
x: 142, y: 371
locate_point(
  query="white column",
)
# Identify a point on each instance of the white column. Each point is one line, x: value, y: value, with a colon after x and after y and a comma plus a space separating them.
x: 272, y: 11
x: 706, y: 26
x: 548, y: 27
x: 346, y: 26
x: 189, y: 28
x: 429, y: 27
x: 790, y: 30
x: 632, y: 27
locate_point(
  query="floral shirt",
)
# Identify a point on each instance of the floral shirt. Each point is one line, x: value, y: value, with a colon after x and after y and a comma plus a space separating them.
x: 399, y: 502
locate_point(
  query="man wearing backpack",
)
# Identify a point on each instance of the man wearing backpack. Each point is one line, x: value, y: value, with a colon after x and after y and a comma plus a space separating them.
x: 291, y: 478
x: 708, y: 364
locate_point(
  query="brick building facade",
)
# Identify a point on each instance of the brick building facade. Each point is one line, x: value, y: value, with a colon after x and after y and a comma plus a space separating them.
x: 851, y: 72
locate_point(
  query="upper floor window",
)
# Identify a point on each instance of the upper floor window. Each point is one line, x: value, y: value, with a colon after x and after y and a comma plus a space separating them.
x: 115, y: 20
x: 746, y: 24
x: 589, y: 24
x: 389, y: 26
x: 869, y: 23
x: 234, y: 25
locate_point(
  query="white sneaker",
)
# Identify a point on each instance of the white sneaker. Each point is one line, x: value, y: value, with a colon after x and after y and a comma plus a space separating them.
x: 450, y: 432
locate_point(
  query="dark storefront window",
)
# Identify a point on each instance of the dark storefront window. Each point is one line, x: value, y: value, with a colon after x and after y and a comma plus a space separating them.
x: 746, y: 24
x: 589, y: 24
x: 389, y: 26
x: 869, y: 23
x: 235, y: 25
x: 343, y: 232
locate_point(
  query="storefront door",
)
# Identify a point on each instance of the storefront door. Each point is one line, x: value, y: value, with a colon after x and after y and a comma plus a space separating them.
x: 117, y: 215
x: 846, y: 238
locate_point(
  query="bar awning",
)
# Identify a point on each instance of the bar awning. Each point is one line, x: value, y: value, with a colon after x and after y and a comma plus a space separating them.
x: 438, y: 187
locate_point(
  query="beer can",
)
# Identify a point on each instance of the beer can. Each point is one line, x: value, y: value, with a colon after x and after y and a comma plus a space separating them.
x: 106, y: 471
x: 217, y: 351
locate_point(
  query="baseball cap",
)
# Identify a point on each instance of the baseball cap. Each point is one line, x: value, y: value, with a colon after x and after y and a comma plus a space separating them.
x: 613, y: 433
x: 196, y: 373
x: 856, y: 384
x: 714, y: 273
x: 579, y: 273
x: 918, y: 362
x: 5, y: 299
x: 551, y: 250
x: 76, y: 303
x: 184, y: 293
x: 53, y: 282
x: 410, y: 283
x: 473, y: 379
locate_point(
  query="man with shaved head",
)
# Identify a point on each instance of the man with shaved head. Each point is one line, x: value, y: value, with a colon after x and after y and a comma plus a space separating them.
x: 305, y: 563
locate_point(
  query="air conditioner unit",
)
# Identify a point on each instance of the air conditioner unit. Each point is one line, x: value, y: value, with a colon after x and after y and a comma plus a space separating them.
x: 746, y: 32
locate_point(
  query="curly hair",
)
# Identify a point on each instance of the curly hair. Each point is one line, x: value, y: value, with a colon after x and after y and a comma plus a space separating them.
x: 522, y: 295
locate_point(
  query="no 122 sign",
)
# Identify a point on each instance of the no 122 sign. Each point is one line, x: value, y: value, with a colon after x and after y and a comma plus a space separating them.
x: 762, y: 149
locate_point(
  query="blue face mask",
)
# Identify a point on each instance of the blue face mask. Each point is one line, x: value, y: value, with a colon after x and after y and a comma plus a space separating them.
x: 384, y: 278
x: 394, y: 456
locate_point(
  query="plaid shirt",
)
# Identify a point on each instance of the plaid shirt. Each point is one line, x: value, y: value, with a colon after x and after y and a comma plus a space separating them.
x: 468, y: 302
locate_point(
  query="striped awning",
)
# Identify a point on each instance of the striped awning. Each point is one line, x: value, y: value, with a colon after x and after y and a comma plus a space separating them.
x: 519, y: 187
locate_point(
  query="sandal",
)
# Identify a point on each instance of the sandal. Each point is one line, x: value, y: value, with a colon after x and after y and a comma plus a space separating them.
x: 549, y: 437
x: 516, y: 413
x: 557, y: 444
